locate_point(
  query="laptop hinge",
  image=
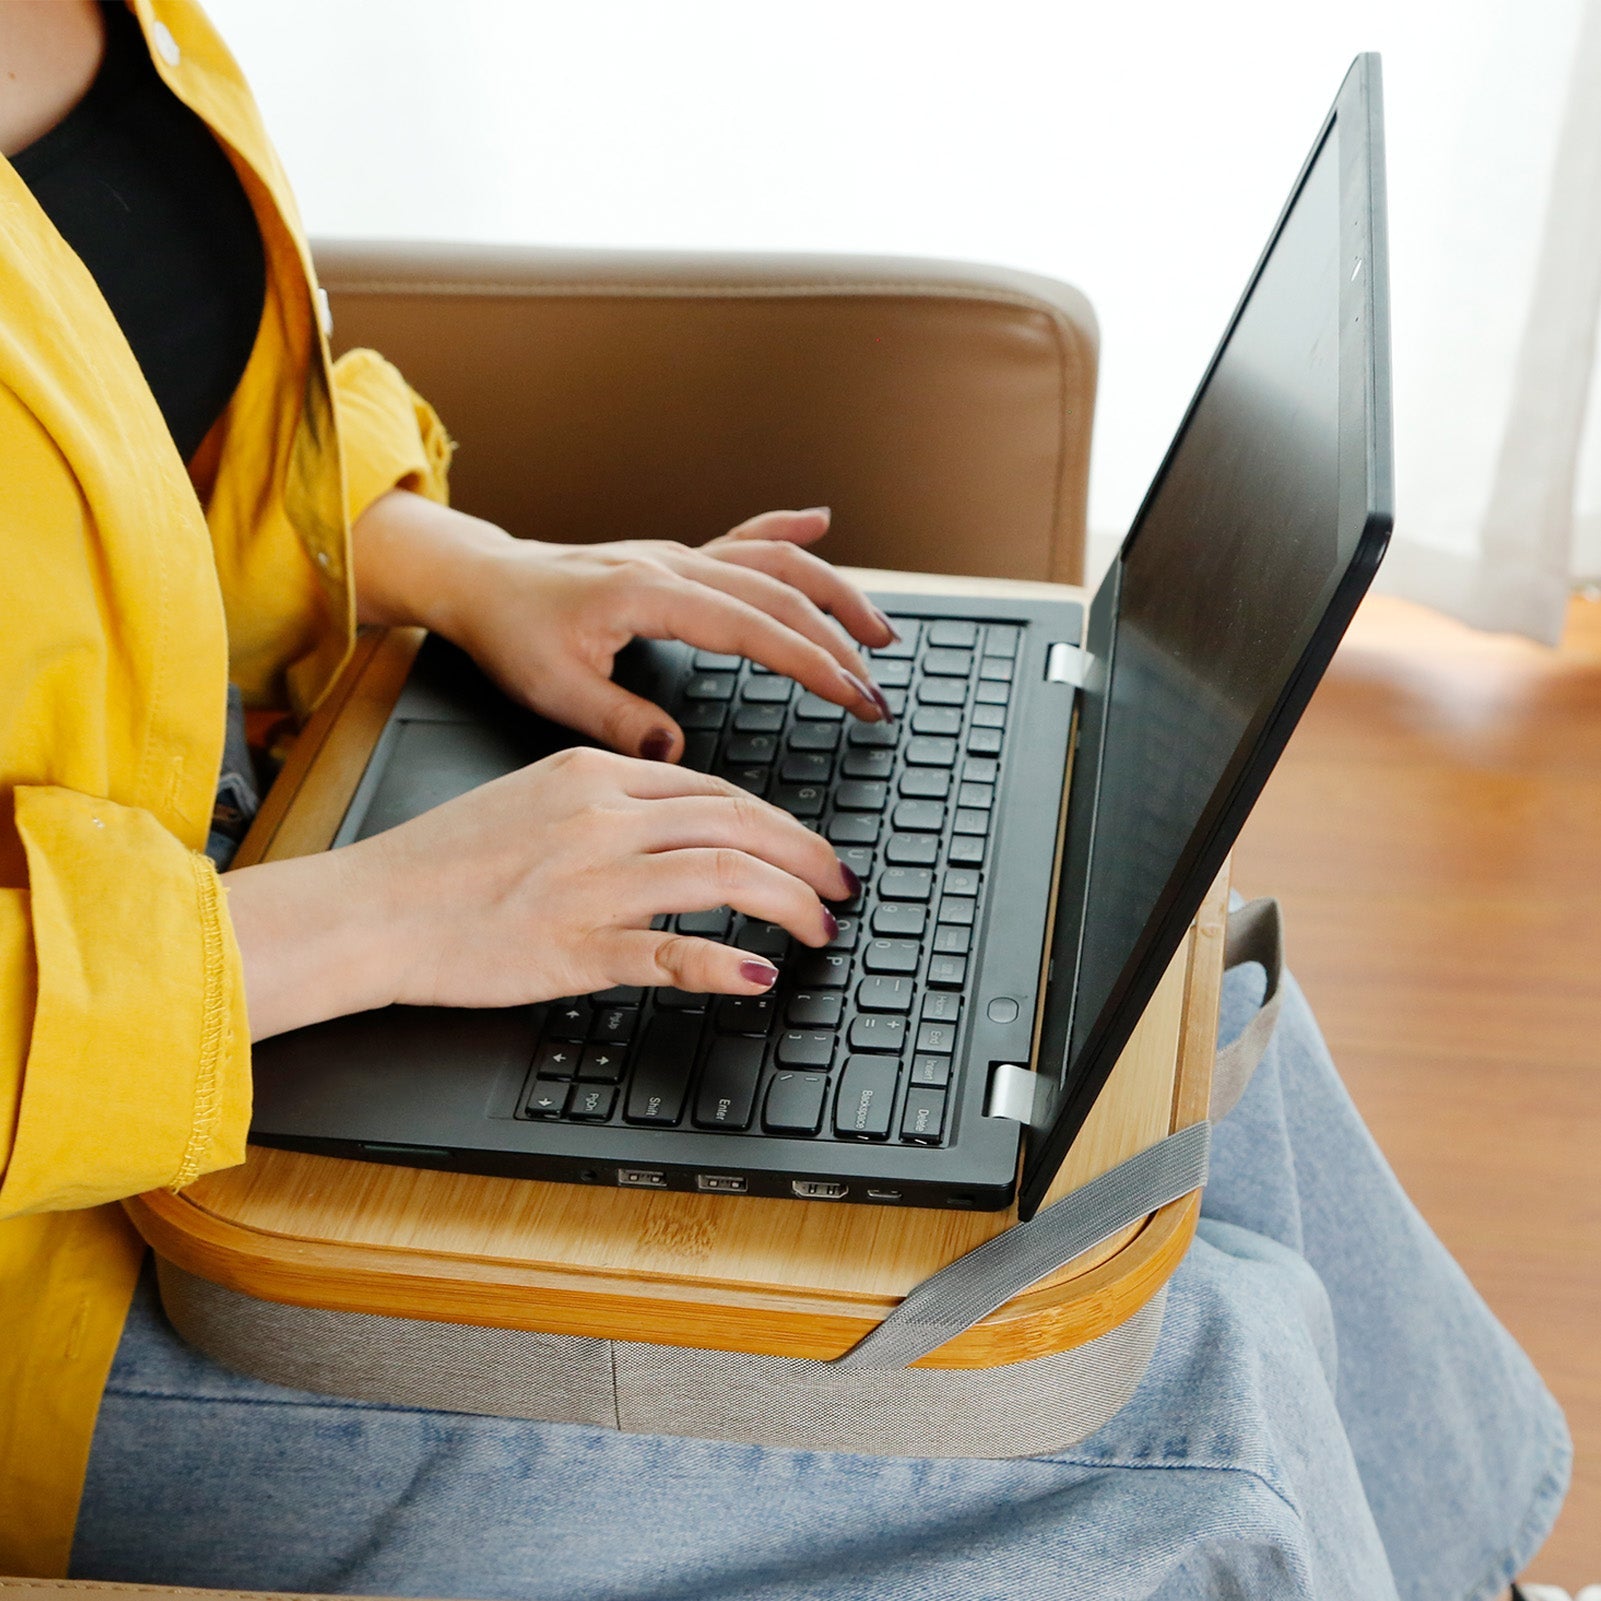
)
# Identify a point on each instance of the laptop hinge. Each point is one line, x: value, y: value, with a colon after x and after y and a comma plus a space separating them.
x: 1012, y: 1092
x: 1066, y: 664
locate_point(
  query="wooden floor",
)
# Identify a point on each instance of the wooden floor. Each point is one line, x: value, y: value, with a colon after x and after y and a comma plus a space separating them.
x: 1434, y: 832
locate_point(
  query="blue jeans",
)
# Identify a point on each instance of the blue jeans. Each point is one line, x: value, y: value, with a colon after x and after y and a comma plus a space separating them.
x: 1331, y: 1413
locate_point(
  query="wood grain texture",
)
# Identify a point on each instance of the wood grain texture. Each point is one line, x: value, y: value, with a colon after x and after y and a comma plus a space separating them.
x: 1434, y: 832
x: 749, y: 1274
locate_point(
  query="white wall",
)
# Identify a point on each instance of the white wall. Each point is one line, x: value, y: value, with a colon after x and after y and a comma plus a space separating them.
x: 1140, y: 151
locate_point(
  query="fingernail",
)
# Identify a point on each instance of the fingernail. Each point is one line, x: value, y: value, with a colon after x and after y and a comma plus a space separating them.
x: 656, y: 746
x: 894, y: 632
x: 871, y: 693
x: 853, y: 885
x: 817, y: 511
x: 830, y: 924
x: 755, y: 972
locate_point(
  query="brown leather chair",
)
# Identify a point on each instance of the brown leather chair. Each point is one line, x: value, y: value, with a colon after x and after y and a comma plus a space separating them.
x: 942, y: 409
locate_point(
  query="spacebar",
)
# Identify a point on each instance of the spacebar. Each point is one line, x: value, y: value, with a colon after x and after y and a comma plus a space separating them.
x: 661, y: 1071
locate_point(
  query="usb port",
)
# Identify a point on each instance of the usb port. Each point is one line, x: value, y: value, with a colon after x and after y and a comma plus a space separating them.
x: 642, y: 1178
x: 819, y: 1189
x: 722, y: 1183
x: 883, y: 1195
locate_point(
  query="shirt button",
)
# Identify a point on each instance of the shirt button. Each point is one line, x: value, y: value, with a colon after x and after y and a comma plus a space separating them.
x: 322, y: 558
x: 325, y: 313
x: 166, y: 45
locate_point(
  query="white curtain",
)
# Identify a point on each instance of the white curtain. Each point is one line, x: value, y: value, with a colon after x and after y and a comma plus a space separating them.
x: 1140, y: 152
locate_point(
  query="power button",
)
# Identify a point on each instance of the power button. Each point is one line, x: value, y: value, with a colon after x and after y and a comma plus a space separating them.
x: 1003, y: 1009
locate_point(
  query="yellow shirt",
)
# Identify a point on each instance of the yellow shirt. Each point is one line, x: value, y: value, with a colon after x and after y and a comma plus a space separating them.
x: 124, y: 1042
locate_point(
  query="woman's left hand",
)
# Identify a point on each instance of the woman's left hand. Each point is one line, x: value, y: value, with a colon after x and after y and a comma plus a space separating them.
x: 547, y: 621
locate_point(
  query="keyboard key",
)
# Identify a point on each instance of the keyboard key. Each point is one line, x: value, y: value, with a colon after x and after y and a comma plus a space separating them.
x: 942, y: 692
x: 948, y: 663
x: 879, y: 1031
x: 745, y: 1014
x: 709, y: 686
x: 814, y: 709
x: 984, y: 741
x: 699, y: 750
x: 763, y: 939
x: 966, y: 850
x: 919, y: 817
x: 670, y: 1000
x: 1000, y: 639
x: 861, y: 795
x: 992, y: 717
x: 845, y: 936
x: 795, y: 1103
x: 661, y: 1074
x: 957, y: 909
x: 799, y: 800
x: 859, y: 859
x: 853, y: 828
x: 906, y: 921
x: 924, y: 751
x: 708, y: 925
x: 889, y: 673
x: 557, y: 1059
x: 746, y: 750
x: 700, y: 715
x: 895, y: 699
x: 759, y: 719
x: 926, y: 783
x: 980, y: 795
x: 805, y: 1048
x: 727, y: 1093
x: 992, y: 694
x: 937, y: 720
x: 938, y: 1039
x: 614, y: 1025
x: 876, y: 764
x: 885, y: 995
x: 905, y: 884
x: 950, y: 632
x: 812, y: 1009
x: 866, y: 1097
x: 547, y: 1098
x: 923, y: 1119
x: 948, y: 972
x: 980, y: 770
x: 970, y: 820
x: 618, y: 995
x: 602, y: 1064
x: 569, y: 1020
x: 906, y: 645
x: 817, y: 736
x: 941, y: 1008
x: 711, y: 661
x: 592, y: 1103
x: 960, y: 881
x: 995, y: 668
x: 819, y: 970
x: 891, y: 956
x: 912, y: 850
x: 931, y: 1072
x: 807, y: 767
x: 874, y: 736
x: 769, y: 691
x: 755, y: 779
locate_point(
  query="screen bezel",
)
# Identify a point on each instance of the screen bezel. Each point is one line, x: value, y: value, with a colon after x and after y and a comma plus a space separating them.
x: 1068, y: 1087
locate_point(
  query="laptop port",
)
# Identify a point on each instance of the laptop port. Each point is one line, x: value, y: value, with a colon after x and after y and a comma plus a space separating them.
x: 884, y: 1195
x: 722, y: 1183
x: 819, y: 1190
x: 642, y: 1178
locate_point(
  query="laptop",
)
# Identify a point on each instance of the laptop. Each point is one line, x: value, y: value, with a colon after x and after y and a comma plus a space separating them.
x: 1034, y: 830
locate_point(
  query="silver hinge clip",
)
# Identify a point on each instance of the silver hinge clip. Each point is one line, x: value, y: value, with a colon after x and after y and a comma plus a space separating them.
x: 1067, y: 664
x: 1012, y: 1090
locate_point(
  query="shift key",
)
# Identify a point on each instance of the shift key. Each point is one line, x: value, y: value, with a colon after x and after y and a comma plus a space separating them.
x: 661, y: 1072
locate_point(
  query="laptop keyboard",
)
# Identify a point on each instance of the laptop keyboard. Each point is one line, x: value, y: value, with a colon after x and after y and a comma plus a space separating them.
x: 856, y: 1040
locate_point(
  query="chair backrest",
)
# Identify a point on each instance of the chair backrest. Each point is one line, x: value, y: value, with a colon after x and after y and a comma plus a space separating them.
x: 942, y: 409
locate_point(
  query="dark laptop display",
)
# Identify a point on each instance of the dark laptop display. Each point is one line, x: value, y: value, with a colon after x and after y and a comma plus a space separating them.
x: 889, y: 1068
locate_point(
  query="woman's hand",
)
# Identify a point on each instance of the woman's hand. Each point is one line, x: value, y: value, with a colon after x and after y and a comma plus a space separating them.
x: 540, y: 884
x: 547, y: 621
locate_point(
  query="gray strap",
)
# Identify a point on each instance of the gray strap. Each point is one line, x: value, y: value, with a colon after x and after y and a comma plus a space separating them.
x: 972, y: 1286
x: 1256, y: 934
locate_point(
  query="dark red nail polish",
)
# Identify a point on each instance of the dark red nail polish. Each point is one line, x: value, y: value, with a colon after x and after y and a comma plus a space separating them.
x: 656, y: 746
x: 830, y: 924
x: 894, y: 632
x: 874, y: 696
x: 763, y: 973
x: 853, y: 885
x: 881, y: 701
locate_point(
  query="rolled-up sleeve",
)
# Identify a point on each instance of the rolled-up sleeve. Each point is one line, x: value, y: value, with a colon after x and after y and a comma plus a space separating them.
x: 125, y: 1059
x: 391, y: 438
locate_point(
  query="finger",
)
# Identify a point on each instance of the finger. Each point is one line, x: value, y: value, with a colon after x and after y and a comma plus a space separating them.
x: 823, y: 585
x: 743, y: 822
x: 680, y: 961
x: 590, y: 704
x: 712, y: 616
x: 799, y: 527
x: 698, y: 879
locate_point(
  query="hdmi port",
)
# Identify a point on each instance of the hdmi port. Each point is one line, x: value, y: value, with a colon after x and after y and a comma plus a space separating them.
x: 819, y: 1190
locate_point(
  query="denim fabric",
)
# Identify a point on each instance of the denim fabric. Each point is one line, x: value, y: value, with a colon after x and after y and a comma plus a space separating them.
x: 1331, y: 1413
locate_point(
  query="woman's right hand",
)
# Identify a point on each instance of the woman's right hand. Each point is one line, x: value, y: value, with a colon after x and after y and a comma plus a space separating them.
x: 541, y: 884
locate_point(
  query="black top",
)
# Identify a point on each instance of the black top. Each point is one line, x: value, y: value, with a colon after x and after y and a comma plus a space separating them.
x: 138, y: 186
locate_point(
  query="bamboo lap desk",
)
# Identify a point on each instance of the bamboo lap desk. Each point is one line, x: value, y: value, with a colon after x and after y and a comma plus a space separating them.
x: 791, y: 1278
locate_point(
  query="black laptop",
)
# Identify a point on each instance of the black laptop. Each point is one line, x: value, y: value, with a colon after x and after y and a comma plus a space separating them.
x: 1034, y: 830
